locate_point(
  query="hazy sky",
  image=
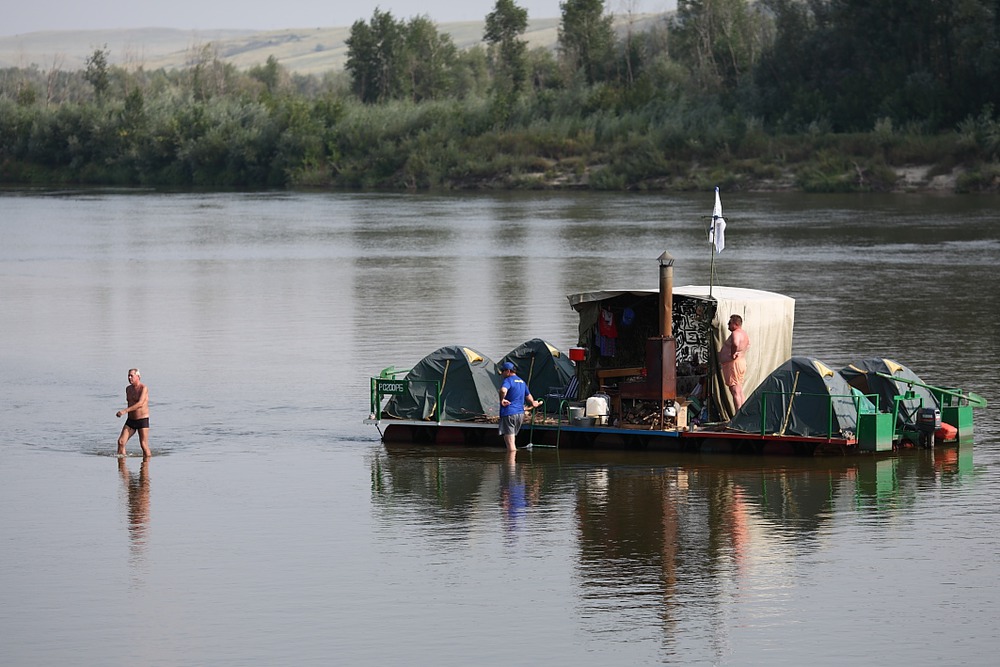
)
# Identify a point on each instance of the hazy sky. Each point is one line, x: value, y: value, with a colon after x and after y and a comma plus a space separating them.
x: 23, y: 16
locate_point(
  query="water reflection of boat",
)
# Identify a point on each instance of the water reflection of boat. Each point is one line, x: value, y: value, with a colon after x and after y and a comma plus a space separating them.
x: 647, y: 377
x: 799, y: 493
x: 653, y: 528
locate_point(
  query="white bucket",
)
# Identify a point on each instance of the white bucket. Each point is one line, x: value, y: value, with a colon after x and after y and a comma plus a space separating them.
x: 597, y: 406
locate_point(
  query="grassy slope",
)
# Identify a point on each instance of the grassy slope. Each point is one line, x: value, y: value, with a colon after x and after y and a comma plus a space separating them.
x: 306, y: 51
x: 68, y: 49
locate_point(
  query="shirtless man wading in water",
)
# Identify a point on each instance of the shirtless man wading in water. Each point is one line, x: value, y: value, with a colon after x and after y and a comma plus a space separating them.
x: 136, y: 414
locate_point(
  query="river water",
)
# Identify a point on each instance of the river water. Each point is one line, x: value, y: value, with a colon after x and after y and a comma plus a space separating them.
x: 271, y: 526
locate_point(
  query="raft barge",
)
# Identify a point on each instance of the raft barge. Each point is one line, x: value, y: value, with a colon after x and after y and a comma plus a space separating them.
x: 644, y: 375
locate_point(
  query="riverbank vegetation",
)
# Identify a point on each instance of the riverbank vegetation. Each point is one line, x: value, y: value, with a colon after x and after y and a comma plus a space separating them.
x: 817, y: 95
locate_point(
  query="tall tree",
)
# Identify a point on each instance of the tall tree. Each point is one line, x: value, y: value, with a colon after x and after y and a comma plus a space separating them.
x: 96, y: 72
x: 586, y: 37
x: 270, y: 74
x: 852, y: 62
x: 719, y: 40
x: 209, y: 75
x: 430, y: 60
x: 504, y: 27
x: 374, y: 57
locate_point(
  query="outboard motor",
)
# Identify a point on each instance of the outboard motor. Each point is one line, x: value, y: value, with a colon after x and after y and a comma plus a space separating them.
x: 928, y: 421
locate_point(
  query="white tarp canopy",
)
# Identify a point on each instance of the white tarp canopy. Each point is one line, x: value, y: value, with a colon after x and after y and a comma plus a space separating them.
x: 768, y: 319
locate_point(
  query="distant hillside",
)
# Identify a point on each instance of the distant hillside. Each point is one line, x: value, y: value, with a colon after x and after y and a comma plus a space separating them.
x: 68, y: 49
x: 306, y: 51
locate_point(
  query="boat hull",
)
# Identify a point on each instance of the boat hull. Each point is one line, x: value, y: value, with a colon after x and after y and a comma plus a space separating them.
x: 610, y: 438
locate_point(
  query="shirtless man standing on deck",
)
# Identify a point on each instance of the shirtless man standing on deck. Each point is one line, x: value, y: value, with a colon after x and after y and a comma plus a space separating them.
x: 136, y: 414
x: 732, y: 356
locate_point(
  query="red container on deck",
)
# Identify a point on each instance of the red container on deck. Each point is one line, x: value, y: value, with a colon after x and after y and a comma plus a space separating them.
x: 577, y: 353
x: 947, y: 433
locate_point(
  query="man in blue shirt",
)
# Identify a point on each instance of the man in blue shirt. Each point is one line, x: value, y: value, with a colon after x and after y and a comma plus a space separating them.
x: 513, y: 393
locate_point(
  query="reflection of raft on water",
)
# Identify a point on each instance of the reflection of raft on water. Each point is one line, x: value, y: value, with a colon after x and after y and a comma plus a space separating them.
x: 646, y: 376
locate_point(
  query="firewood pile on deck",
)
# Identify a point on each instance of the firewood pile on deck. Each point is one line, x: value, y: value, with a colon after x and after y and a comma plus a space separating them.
x: 645, y: 415
x: 642, y: 415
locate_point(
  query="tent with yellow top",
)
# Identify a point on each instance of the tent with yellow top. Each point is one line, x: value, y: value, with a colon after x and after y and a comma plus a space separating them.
x: 453, y: 383
x: 544, y: 367
x: 802, y: 397
x: 893, y: 383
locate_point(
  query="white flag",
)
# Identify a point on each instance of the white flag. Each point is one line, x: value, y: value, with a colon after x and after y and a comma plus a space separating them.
x: 717, y: 232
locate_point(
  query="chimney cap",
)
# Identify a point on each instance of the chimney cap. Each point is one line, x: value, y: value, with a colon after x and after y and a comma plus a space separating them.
x: 665, y: 259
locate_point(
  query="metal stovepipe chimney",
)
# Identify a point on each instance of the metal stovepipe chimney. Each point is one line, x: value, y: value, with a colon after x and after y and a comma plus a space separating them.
x: 666, y: 294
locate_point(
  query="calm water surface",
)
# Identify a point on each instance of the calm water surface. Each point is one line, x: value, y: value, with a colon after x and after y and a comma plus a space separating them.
x: 271, y: 527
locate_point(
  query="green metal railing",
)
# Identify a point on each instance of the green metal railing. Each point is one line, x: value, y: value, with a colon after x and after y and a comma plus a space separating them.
x: 563, y: 404
x: 829, y: 398
x: 387, y: 383
x: 946, y: 396
x: 910, y: 416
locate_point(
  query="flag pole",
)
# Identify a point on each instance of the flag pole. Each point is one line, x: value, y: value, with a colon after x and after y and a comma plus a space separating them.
x: 711, y: 270
x: 716, y: 237
x: 717, y: 242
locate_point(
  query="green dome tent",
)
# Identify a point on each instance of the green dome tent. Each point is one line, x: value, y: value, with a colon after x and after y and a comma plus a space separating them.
x: 541, y: 365
x: 469, y: 386
x: 862, y: 376
x: 802, y: 397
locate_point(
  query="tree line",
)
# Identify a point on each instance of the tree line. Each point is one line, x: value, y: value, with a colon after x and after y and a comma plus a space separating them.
x: 832, y: 92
